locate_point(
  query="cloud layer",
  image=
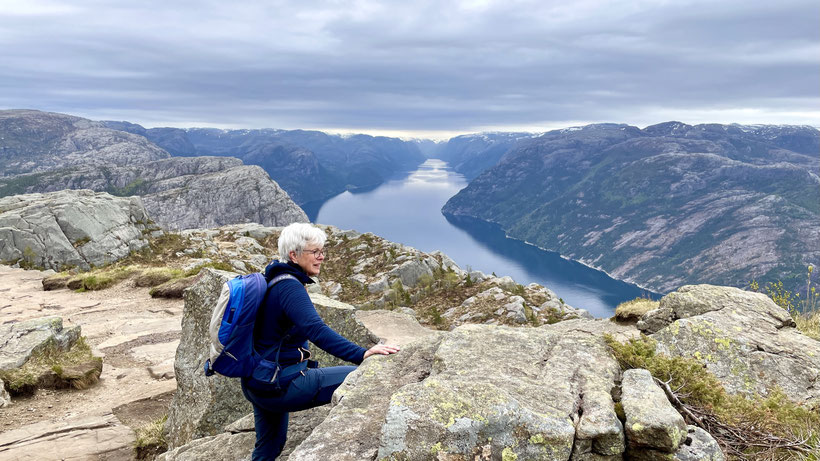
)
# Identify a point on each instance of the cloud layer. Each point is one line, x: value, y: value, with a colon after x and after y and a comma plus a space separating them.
x: 415, y: 66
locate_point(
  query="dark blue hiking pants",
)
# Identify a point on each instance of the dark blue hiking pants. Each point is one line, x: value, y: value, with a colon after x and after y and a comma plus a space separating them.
x: 270, y: 409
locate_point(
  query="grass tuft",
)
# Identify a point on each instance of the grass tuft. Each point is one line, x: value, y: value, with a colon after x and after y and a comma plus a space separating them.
x: 632, y: 311
x: 55, y: 368
x: 150, y: 439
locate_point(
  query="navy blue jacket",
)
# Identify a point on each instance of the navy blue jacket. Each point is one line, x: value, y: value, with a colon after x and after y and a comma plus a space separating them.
x: 288, y: 304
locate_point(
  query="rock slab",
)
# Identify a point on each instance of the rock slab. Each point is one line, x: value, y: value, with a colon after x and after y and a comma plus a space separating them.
x: 747, y: 341
x: 70, y: 228
x: 18, y: 341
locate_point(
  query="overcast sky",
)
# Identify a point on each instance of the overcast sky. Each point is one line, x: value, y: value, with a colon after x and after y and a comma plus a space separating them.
x: 426, y: 68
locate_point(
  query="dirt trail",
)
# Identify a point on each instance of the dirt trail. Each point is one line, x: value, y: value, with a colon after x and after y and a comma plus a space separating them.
x: 138, y: 337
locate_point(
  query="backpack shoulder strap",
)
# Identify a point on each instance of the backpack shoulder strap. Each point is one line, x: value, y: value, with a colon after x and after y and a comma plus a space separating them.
x: 279, y: 278
x: 287, y: 334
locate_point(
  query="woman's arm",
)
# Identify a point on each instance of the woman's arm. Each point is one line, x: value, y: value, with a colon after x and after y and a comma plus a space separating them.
x: 300, y: 310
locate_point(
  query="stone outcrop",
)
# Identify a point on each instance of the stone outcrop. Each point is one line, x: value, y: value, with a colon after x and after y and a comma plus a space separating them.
x: 32, y: 141
x: 180, y: 192
x: 202, y: 405
x: 744, y: 339
x: 84, y: 437
x: 485, y: 391
x: 70, y: 228
x: 372, y: 272
x: 22, y: 339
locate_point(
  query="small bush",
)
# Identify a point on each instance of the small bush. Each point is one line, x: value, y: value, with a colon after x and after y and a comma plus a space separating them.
x: 631, y: 311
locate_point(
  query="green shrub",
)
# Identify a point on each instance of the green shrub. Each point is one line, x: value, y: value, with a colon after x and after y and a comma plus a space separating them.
x: 100, y: 279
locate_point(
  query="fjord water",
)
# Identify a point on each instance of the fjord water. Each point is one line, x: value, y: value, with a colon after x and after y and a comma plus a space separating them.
x: 408, y: 211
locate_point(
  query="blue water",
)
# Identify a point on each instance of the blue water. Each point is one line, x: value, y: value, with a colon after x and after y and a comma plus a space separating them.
x: 408, y: 210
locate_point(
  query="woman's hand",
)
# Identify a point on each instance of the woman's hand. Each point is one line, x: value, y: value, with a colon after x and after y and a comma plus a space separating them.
x: 383, y: 349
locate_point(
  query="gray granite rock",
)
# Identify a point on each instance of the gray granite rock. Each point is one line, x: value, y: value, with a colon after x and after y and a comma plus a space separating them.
x: 22, y: 339
x: 651, y: 421
x: 409, y: 272
x: 744, y: 339
x: 70, y: 228
x: 459, y: 394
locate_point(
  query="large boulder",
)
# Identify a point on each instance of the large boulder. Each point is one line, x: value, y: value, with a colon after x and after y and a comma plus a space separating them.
x: 202, y: 405
x: 70, y: 228
x: 748, y: 342
x: 651, y: 421
x: 480, y: 390
x: 22, y: 339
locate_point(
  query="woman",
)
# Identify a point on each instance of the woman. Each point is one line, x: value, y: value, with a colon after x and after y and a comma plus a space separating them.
x: 289, y: 318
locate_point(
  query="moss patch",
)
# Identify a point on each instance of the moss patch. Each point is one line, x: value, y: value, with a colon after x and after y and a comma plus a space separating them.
x: 55, y: 368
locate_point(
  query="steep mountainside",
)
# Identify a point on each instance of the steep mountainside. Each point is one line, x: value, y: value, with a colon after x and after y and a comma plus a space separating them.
x: 664, y: 206
x: 47, y: 152
x: 310, y: 165
x: 471, y: 154
x: 34, y: 141
x: 178, y: 193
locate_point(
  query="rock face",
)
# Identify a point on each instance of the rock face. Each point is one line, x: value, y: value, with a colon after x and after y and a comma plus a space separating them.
x: 46, y: 152
x: 746, y: 340
x: 739, y: 202
x: 70, y: 228
x: 32, y: 141
x: 180, y: 193
x: 22, y: 339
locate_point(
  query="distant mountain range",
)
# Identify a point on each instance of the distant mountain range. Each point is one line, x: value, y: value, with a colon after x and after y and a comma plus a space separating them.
x: 668, y: 205
x: 663, y: 206
x: 310, y: 165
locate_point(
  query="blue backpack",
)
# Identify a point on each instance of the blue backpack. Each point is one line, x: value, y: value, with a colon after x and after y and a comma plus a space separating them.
x: 231, y: 330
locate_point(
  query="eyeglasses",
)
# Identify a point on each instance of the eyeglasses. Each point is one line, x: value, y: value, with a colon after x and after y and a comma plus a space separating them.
x: 317, y: 252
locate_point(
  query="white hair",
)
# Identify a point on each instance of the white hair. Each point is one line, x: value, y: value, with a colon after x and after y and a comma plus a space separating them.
x: 297, y: 236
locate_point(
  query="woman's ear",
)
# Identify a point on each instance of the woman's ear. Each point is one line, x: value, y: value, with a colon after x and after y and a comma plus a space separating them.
x: 292, y: 256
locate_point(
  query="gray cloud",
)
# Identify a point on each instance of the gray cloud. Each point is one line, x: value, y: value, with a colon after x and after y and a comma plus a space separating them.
x: 416, y: 66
